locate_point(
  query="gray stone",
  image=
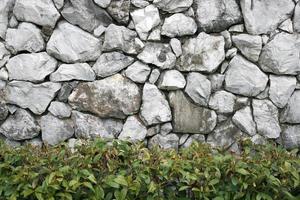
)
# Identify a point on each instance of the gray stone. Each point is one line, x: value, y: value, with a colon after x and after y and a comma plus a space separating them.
x: 36, y: 97
x: 230, y: 53
x: 166, y: 128
x: 217, y: 15
x: 176, y: 46
x: 138, y: 72
x: 55, y: 130
x: 170, y: 141
x: 227, y: 37
x: 20, y: 126
x: 194, y: 138
x: 155, y: 34
x: 66, y: 90
x: 13, y: 22
x: 203, y: 120
x: 244, y: 77
x: 89, y: 126
x: 243, y: 119
x: 204, y: 53
x: 42, y: 13
x: 115, y: 96
x: 99, y: 30
x: 62, y: 46
x: 111, y: 63
x: 158, y: 54
x: 3, y: 74
x: 59, y: 3
x: 266, y: 118
x: 291, y: 113
x: 179, y: 25
x: 133, y: 130
x: 60, y: 109
x: 291, y: 136
x: 102, y: 3
x: 281, y: 89
x: 6, y: 7
x: 34, y: 67
x: 264, y: 94
x: 287, y: 26
x: 86, y: 14
x: 217, y: 81
x: 145, y: 20
x: 153, y: 130
x: 140, y: 3
x: 249, y: 45
x: 154, y: 76
x: 222, y: 102
x: 3, y: 111
x: 274, y: 12
x: 296, y: 19
x: 27, y: 37
x: 171, y: 80
x: 198, y: 88
x: 173, y: 6
x: 238, y: 28
x: 119, y: 10
x: 281, y: 55
x: 4, y: 55
x: 123, y: 39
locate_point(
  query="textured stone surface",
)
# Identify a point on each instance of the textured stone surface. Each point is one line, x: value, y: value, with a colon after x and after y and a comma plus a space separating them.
x: 102, y: 3
x: 164, y: 141
x: 296, y: 19
x: 133, y: 130
x: 60, y: 109
x: 138, y: 72
x: 6, y: 7
x: 173, y: 6
x: 171, y: 80
x: 291, y: 113
x: 222, y: 102
x: 243, y: 119
x: 119, y: 10
x: 176, y: 46
x: 290, y: 136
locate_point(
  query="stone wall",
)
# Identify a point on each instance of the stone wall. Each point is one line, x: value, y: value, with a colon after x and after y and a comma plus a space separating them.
x: 166, y: 72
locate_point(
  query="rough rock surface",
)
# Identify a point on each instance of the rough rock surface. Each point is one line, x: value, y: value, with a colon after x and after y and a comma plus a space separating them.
x: 171, y: 80
x: 59, y: 109
x: 296, y: 20
x: 119, y: 10
x: 222, y: 102
x: 6, y: 7
x: 164, y: 141
x: 291, y: 113
x: 290, y: 136
x: 138, y: 72
x: 133, y: 130
x: 173, y: 6
x: 243, y: 119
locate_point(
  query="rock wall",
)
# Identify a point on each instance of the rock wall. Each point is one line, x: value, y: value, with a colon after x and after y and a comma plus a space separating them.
x: 166, y: 72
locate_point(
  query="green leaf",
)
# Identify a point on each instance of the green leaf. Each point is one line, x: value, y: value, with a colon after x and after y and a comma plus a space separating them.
x: 88, y: 185
x: 121, y: 180
x: 242, y: 171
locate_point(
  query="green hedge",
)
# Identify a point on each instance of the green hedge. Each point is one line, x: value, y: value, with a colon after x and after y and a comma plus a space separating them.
x: 122, y: 171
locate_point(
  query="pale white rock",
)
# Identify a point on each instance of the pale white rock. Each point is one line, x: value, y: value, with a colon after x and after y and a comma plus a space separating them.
x: 35, y: 97
x: 59, y: 3
x: 123, y: 39
x: 42, y: 13
x: 133, y: 130
x: 238, y: 28
x: 155, y: 108
x: 86, y: 14
x: 217, y: 81
x: 266, y: 117
x: 203, y: 120
x: 287, y: 26
x: 12, y: 108
x: 140, y: 3
x: 115, y: 96
x: 241, y: 102
x: 291, y: 136
x: 6, y: 7
x: 265, y: 39
x: 2, y: 85
x: 89, y: 126
x: 32, y: 67
x: 4, y: 55
x: 99, y: 30
x: 176, y: 46
x: 264, y: 94
x: 60, y: 109
x: 291, y: 113
x: 153, y: 130
x: 155, y: 35
x: 230, y: 53
x: 111, y: 63
x: 166, y: 128
x: 216, y: 15
x: 224, y: 66
x: 171, y: 80
x: 70, y: 44
x: 3, y: 74
x: 170, y: 141
x: 158, y: 54
x: 119, y: 10
x: 138, y: 72
x: 222, y: 102
x: 244, y: 78
x: 265, y: 16
x: 249, y: 45
x: 154, y: 76
x: 55, y: 130
x: 198, y: 88
x: 145, y: 20
x: 259, y: 140
x: 281, y: 89
x: 203, y: 53
x: 20, y: 126
x: 243, y: 119
x: 183, y: 139
x: 227, y: 37
x: 190, y: 12
x: 194, y: 138
x: 173, y: 6
x: 77, y: 71
x: 178, y: 25
x: 13, y: 22
x: 103, y: 3
x: 296, y: 19
x: 281, y: 55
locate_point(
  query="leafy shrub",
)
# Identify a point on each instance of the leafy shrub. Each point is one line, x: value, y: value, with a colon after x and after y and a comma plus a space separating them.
x: 122, y: 171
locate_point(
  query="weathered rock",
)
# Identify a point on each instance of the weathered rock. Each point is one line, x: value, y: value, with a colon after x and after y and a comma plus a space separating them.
x: 60, y: 109
x: 13, y: 22
x: 281, y: 55
x: 243, y: 119
x: 192, y: 139
x: 4, y: 55
x: 227, y: 37
x: 145, y: 20
x: 154, y: 76
x: 290, y: 136
x: 217, y: 15
x: 171, y: 80
x: 244, y: 78
x: 296, y: 19
x: 230, y: 53
x: 3, y: 74
x: 249, y: 45
x: 198, y: 88
x: 119, y: 10
x: 266, y: 118
x: 102, y: 3
x: 42, y: 13
x: 66, y: 90
x: 140, y: 3
x: 166, y: 128
x: 138, y: 72
x: 169, y: 141
x: 281, y: 89
x: 155, y: 34
x: 217, y: 81
x: 291, y: 113
x: 287, y: 26
x: 20, y: 126
x: 59, y: 3
x: 111, y: 63
x: 179, y: 25
x: 88, y: 126
x: 55, y: 130
x: 158, y: 54
x: 3, y: 111
x: 6, y: 7
x: 62, y: 46
x: 204, y: 53
x: 115, y: 96
x: 204, y: 120
x: 123, y: 39
x: 86, y: 14
x: 222, y: 102
x: 99, y: 30
x: 32, y: 67
x: 36, y: 97
x: 238, y: 28
x: 173, y: 6
x: 27, y: 37
x: 77, y: 71
x: 176, y: 46
x: 133, y: 130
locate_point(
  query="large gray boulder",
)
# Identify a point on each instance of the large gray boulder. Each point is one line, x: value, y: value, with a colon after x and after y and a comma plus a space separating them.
x: 291, y: 113
x: 290, y: 136
x: 190, y: 118
x: 115, y: 96
x: 203, y: 53
x: 71, y: 44
x: 119, y: 10
x: 173, y: 6
x: 222, y: 102
x: 171, y: 80
x: 243, y: 119
x: 133, y: 130
x: 6, y: 7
